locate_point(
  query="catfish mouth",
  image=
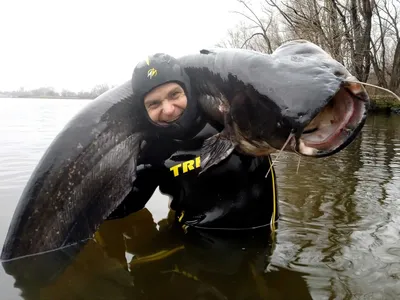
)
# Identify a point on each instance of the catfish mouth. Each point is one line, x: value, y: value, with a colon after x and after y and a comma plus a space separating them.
x: 337, y: 124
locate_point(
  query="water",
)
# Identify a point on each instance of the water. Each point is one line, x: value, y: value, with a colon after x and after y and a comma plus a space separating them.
x: 338, y: 236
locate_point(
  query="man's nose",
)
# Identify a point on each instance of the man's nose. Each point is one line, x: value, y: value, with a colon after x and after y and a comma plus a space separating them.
x: 168, y: 108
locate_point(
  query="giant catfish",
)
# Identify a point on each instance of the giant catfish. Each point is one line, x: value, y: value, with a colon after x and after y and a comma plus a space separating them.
x: 298, y: 98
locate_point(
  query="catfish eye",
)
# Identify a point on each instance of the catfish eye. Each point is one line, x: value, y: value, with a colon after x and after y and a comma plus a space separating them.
x: 339, y: 74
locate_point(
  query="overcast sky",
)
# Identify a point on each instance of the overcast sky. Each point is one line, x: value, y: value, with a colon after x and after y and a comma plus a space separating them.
x: 76, y: 44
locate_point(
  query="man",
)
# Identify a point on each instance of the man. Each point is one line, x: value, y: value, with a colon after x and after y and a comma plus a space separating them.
x: 233, y: 195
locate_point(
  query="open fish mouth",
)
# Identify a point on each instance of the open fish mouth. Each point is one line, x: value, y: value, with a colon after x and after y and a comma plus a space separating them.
x: 337, y: 124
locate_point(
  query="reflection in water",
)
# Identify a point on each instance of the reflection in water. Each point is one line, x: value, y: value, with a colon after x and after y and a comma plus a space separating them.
x: 341, y: 218
x: 136, y: 258
x: 338, y: 236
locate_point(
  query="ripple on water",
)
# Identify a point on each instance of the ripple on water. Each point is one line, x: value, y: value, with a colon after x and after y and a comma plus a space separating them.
x: 339, y: 219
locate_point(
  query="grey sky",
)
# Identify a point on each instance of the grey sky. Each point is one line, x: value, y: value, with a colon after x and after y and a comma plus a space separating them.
x: 76, y: 44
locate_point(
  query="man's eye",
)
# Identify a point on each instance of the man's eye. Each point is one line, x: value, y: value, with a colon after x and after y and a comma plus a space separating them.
x: 152, y: 104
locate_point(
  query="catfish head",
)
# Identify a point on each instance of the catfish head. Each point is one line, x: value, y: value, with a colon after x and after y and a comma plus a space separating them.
x: 261, y: 128
x: 298, y: 99
x: 336, y: 125
x: 321, y: 122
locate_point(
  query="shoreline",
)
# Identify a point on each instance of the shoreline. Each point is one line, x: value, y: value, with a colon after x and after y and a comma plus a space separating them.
x: 379, y: 103
x: 45, y: 97
x: 385, y: 104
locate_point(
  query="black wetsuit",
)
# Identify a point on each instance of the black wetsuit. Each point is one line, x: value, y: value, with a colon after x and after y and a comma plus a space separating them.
x: 234, y: 194
x: 231, y: 195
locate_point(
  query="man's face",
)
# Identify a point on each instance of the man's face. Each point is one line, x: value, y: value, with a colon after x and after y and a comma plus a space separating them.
x: 165, y: 103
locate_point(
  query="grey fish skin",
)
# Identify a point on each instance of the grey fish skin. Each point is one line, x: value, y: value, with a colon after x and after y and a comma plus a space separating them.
x: 297, y: 80
x: 84, y: 173
x: 91, y: 165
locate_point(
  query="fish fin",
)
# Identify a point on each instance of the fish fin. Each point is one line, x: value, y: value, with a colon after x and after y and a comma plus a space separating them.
x: 215, y: 149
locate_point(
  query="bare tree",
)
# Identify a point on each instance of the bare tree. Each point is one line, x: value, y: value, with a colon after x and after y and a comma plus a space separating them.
x: 386, y: 46
x: 243, y: 36
x: 313, y: 20
x: 359, y: 36
x: 259, y: 32
x: 343, y: 29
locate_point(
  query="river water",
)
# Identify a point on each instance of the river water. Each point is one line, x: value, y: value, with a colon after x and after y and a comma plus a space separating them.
x: 338, y: 235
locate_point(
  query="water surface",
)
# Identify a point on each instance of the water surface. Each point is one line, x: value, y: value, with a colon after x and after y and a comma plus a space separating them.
x: 338, y: 236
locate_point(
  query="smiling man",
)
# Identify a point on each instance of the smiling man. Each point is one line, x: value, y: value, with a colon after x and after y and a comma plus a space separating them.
x: 165, y: 103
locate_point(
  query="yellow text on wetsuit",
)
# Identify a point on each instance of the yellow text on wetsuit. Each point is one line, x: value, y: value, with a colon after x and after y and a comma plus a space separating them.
x: 186, y: 166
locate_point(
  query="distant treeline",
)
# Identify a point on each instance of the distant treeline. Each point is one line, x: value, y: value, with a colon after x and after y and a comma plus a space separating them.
x: 49, y: 92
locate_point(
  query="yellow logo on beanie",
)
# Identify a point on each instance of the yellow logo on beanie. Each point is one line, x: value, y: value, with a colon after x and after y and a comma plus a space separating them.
x: 151, y: 73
